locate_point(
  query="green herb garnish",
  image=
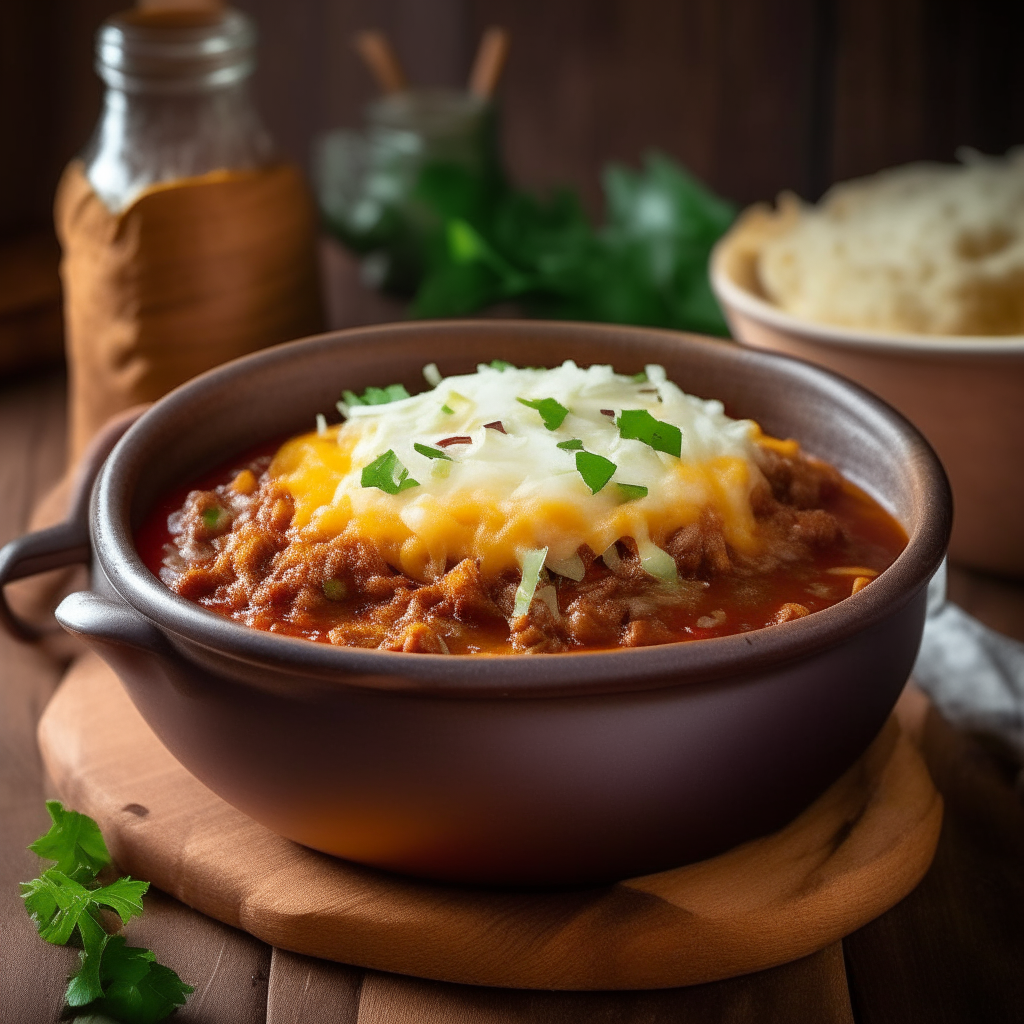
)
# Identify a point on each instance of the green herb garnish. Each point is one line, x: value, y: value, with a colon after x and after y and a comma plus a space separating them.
x: 640, y: 425
x: 574, y: 445
x: 596, y: 470
x: 500, y: 365
x: 551, y: 412
x: 630, y: 492
x: 387, y: 473
x: 431, y: 453
x: 335, y: 590
x: 376, y: 396
x: 121, y: 982
x: 447, y: 409
x: 641, y: 377
x: 213, y: 518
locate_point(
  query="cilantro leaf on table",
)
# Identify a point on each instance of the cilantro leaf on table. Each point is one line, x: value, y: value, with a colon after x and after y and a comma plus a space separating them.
x: 136, y: 989
x: 56, y: 903
x: 551, y: 412
x: 74, y: 842
x: 125, y: 983
x: 640, y: 425
x: 388, y: 474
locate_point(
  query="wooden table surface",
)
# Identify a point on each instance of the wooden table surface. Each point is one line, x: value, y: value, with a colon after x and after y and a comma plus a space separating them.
x: 951, y: 951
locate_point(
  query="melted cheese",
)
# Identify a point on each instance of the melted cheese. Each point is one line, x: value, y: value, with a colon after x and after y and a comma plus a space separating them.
x: 506, y: 493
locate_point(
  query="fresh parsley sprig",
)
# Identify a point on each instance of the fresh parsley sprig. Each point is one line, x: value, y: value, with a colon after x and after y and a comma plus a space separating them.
x: 387, y: 472
x: 65, y: 903
x: 551, y: 412
x: 640, y: 425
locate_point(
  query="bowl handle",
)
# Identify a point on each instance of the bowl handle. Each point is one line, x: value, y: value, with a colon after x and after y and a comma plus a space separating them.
x: 108, y: 625
x: 67, y: 543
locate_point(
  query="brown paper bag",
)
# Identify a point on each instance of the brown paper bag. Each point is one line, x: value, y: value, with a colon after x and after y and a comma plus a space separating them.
x: 193, y: 273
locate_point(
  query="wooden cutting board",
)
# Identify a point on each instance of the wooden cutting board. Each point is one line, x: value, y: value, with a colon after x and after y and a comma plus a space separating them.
x: 858, y: 850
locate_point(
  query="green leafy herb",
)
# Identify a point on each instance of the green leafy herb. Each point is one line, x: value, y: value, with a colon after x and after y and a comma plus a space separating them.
x: 135, y: 987
x: 122, y: 982
x: 574, y: 445
x: 641, y: 377
x: 500, y: 365
x: 596, y: 470
x: 447, y: 409
x: 630, y: 492
x: 376, y: 396
x: 533, y: 562
x: 431, y: 453
x: 74, y: 842
x: 214, y: 517
x: 642, y: 426
x: 335, y: 590
x: 387, y: 473
x: 551, y: 412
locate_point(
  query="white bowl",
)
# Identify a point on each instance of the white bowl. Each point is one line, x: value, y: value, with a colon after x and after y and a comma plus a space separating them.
x: 965, y: 394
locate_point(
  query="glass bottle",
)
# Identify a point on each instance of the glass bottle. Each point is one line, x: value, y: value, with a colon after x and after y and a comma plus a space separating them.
x: 186, y: 241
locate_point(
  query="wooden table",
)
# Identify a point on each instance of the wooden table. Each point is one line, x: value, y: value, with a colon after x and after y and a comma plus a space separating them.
x: 951, y: 951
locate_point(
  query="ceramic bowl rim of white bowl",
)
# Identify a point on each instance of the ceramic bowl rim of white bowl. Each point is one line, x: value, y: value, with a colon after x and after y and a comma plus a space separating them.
x: 734, y: 295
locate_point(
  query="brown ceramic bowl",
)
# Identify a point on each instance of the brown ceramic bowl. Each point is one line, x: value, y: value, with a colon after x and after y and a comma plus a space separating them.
x: 965, y: 394
x: 526, y: 770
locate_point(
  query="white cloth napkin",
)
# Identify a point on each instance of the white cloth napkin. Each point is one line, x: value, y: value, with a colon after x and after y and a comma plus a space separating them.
x: 974, y: 675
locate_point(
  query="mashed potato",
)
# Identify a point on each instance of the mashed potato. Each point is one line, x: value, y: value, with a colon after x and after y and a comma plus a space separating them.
x: 926, y: 248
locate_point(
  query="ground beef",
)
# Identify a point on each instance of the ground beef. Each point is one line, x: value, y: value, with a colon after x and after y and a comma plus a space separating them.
x: 231, y: 551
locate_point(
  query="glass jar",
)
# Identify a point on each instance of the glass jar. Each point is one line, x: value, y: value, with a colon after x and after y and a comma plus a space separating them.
x: 186, y: 241
x: 177, y: 101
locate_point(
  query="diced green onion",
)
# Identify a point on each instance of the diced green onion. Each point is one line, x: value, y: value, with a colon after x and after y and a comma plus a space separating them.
x: 441, y: 470
x: 321, y: 424
x: 431, y: 453
x: 335, y: 590
x: 213, y: 517
x: 630, y: 492
x: 640, y: 425
x: 640, y: 378
x: 533, y: 562
x: 596, y: 470
x: 574, y: 445
x: 501, y: 365
x: 447, y: 410
x: 551, y: 412
x: 656, y: 562
x: 571, y: 568
x: 432, y: 375
x: 388, y: 474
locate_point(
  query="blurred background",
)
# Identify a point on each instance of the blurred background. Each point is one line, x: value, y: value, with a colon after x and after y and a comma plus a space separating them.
x: 752, y: 96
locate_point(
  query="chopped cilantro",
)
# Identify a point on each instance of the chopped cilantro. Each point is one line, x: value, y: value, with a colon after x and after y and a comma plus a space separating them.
x: 630, y: 492
x: 551, y: 412
x: 214, y: 517
x: 447, y: 409
x: 500, y: 365
x: 431, y: 453
x: 596, y: 470
x: 642, y: 426
x: 641, y: 377
x: 124, y: 983
x: 387, y: 473
x: 376, y: 396
x: 574, y: 445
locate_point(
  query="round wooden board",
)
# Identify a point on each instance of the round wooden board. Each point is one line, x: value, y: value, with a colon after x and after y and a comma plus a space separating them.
x: 858, y: 850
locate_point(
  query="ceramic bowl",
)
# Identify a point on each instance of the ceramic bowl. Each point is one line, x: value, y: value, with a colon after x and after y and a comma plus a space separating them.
x: 571, y: 768
x: 965, y: 394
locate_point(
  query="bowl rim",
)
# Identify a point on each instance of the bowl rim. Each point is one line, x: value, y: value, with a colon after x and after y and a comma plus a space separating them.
x: 732, y: 294
x: 575, y: 673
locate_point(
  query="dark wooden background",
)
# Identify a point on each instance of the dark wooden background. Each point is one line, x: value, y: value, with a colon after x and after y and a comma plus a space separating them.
x: 754, y: 96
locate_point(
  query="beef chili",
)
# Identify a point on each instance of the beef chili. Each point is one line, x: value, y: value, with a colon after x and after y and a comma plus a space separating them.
x: 243, y: 542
